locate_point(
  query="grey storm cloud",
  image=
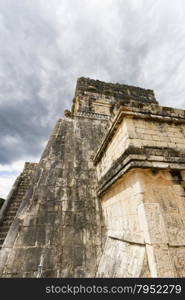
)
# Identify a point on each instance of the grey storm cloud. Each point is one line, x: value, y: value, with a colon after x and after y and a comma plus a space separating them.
x: 46, y: 45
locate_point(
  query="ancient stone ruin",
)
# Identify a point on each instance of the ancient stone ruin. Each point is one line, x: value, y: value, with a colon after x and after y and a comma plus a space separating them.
x: 107, y: 198
x: 1, y: 201
x: 14, y: 199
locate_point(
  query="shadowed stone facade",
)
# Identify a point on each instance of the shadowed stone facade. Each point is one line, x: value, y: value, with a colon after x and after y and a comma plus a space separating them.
x: 140, y: 169
x: 1, y: 201
x: 107, y: 197
x: 11, y: 205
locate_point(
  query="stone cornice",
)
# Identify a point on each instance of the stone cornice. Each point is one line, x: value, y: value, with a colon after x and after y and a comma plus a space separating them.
x: 133, y: 157
x: 91, y: 115
x: 140, y: 111
x: 116, y: 90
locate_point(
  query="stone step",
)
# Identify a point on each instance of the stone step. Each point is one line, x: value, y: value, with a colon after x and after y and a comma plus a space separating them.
x: 3, y: 235
x: 15, y: 204
x: 11, y: 213
x: 18, y: 201
x: 14, y: 208
x: 4, y: 228
x: 7, y: 222
x: 1, y: 241
x: 8, y: 218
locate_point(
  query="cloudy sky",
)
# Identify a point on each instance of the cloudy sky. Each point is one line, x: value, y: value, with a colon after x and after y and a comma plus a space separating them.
x: 45, y: 45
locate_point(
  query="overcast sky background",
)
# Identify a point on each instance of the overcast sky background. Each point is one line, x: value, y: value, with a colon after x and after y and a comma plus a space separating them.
x: 45, y: 45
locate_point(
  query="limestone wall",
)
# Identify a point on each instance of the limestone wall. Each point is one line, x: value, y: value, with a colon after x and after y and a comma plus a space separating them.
x: 59, y: 225
x: 141, y: 133
x: 144, y: 213
x: 115, y: 90
x: 140, y: 165
x: 119, y: 143
x: 15, y: 197
x: 1, y: 202
x: 124, y: 250
x: 164, y: 207
x: 135, y: 203
x: 101, y: 97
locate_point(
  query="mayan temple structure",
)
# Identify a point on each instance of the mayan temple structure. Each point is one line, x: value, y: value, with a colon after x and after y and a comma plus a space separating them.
x: 107, y: 198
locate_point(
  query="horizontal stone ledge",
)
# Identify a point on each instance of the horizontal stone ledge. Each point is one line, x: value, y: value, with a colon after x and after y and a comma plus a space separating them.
x: 176, y: 245
x: 152, y: 112
x: 155, y: 155
x: 128, y: 236
x: 116, y: 90
x: 88, y: 115
x: 153, y: 161
x: 134, y: 241
x: 131, y: 164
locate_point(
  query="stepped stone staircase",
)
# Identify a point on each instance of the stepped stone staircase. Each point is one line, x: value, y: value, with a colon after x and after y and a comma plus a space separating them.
x: 12, y: 204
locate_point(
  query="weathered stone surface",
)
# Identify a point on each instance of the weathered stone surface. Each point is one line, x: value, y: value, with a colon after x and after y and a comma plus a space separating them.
x: 121, y: 259
x: 1, y: 201
x: 14, y: 200
x: 154, y: 228
x: 60, y: 218
x: 177, y: 257
x: 98, y: 97
x: 141, y: 135
x: 119, y: 144
x: 139, y: 166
